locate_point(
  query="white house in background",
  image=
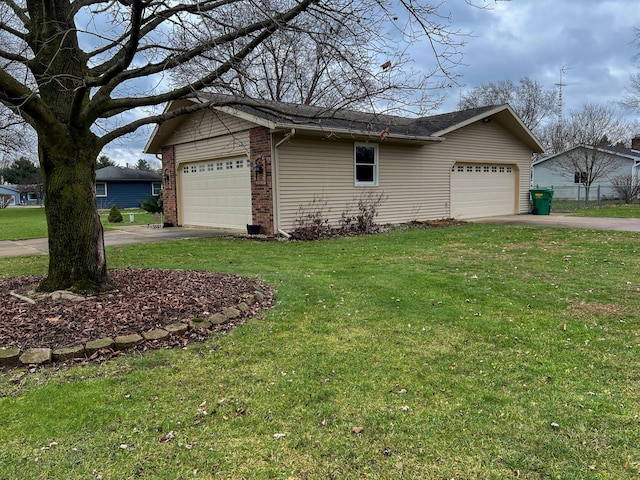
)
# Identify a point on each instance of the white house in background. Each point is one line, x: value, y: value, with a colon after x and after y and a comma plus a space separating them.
x: 619, y: 161
x: 242, y: 162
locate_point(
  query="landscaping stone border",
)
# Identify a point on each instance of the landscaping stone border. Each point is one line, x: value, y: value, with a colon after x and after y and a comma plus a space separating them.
x: 34, y: 357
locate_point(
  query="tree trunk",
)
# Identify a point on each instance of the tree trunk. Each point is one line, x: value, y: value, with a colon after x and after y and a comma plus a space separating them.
x: 76, y: 241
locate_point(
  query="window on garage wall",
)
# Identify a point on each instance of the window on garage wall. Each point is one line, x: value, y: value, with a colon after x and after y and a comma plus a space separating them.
x: 366, y: 164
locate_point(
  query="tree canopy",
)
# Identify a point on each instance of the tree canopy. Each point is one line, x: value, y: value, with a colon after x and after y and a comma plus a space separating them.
x: 21, y: 172
x: 528, y: 98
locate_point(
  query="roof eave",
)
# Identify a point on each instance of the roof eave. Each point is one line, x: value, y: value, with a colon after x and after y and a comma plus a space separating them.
x: 353, y: 133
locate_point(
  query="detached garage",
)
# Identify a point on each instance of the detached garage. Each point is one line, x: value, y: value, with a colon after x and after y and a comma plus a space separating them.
x: 241, y: 161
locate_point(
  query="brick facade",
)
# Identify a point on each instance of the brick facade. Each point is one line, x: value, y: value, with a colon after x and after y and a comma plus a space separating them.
x: 261, y: 182
x: 169, y: 192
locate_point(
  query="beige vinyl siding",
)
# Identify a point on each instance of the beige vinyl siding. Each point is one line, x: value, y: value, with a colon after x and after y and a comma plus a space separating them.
x: 493, y: 144
x: 207, y: 124
x: 414, y: 177
x: 211, y: 148
x: 305, y: 174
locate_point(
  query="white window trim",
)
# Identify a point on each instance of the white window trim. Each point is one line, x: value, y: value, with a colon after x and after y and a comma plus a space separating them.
x: 376, y: 163
x: 105, y: 189
x: 154, y: 192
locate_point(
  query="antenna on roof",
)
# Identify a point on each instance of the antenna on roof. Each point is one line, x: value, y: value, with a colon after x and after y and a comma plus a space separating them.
x: 563, y: 70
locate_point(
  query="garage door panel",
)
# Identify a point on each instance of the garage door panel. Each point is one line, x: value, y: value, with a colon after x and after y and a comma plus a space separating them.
x: 212, y: 196
x: 483, y: 190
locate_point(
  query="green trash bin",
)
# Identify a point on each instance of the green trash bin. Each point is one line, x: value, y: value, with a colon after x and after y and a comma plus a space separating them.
x: 541, y: 200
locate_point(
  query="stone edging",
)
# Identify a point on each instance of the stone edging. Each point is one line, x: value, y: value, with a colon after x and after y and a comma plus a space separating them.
x: 14, y: 357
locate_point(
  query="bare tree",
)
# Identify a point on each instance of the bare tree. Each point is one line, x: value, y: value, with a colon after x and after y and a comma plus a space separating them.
x: 342, y: 54
x: 80, y: 72
x: 588, y: 130
x: 632, y: 98
x: 627, y: 187
x: 528, y: 98
x: 16, y: 137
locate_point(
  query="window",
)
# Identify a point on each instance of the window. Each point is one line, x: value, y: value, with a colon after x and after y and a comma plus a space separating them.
x: 229, y: 165
x: 580, y: 177
x: 239, y: 163
x: 201, y: 167
x: 366, y: 164
x: 219, y: 166
x: 101, y: 189
x: 209, y: 167
x: 185, y: 169
x: 156, y: 187
x: 194, y: 168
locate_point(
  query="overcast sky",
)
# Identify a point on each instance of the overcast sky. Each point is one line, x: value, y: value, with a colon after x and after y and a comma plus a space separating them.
x: 593, y: 40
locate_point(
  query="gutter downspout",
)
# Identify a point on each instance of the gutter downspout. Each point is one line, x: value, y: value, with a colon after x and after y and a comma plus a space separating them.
x: 276, y: 184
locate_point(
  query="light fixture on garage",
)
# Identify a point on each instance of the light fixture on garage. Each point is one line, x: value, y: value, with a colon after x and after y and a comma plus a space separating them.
x: 257, y: 167
x: 165, y: 175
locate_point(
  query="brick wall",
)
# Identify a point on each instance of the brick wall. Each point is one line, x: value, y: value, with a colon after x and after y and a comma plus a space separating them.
x: 261, y: 183
x: 169, y: 198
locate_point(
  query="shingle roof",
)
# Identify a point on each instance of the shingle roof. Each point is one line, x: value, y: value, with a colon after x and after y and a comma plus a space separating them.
x: 121, y: 174
x: 293, y: 115
x: 328, y: 122
x: 623, y: 152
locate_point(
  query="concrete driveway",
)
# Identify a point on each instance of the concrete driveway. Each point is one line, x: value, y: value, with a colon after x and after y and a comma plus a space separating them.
x: 559, y: 220
x: 124, y: 235
x: 127, y: 235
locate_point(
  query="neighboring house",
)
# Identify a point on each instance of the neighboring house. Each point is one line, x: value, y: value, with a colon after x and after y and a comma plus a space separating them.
x: 228, y: 166
x: 23, y: 194
x: 125, y: 187
x: 614, y: 162
x: 7, y: 189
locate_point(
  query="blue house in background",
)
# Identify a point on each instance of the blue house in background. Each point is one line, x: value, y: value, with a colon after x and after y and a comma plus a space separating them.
x: 7, y: 189
x: 23, y: 194
x: 125, y: 187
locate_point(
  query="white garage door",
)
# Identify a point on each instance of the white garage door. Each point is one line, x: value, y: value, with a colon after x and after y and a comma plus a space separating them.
x: 216, y: 193
x: 482, y: 190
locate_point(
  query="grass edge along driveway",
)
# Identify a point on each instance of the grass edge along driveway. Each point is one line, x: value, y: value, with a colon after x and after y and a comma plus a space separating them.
x: 477, y: 351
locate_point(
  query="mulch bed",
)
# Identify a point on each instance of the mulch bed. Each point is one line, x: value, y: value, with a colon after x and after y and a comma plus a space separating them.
x: 139, y: 300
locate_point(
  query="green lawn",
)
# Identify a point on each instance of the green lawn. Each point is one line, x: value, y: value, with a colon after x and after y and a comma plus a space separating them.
x: 615, y: 211
x: 20, y: 223
x: 477, y: 351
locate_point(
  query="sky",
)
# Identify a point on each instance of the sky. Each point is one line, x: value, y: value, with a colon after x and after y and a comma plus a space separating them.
x: 591, y: 40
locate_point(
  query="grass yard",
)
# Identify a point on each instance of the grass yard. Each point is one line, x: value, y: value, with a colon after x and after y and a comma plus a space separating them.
x: 20, y: 223
x: 470, y: 352
x: 613, y: 211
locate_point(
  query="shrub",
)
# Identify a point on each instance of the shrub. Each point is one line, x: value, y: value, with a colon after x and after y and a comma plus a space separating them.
x: 312, y: 222
x: 362, y: 221
x: 114, y: 215
x: 627, y: 187
x: 152, y: 204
